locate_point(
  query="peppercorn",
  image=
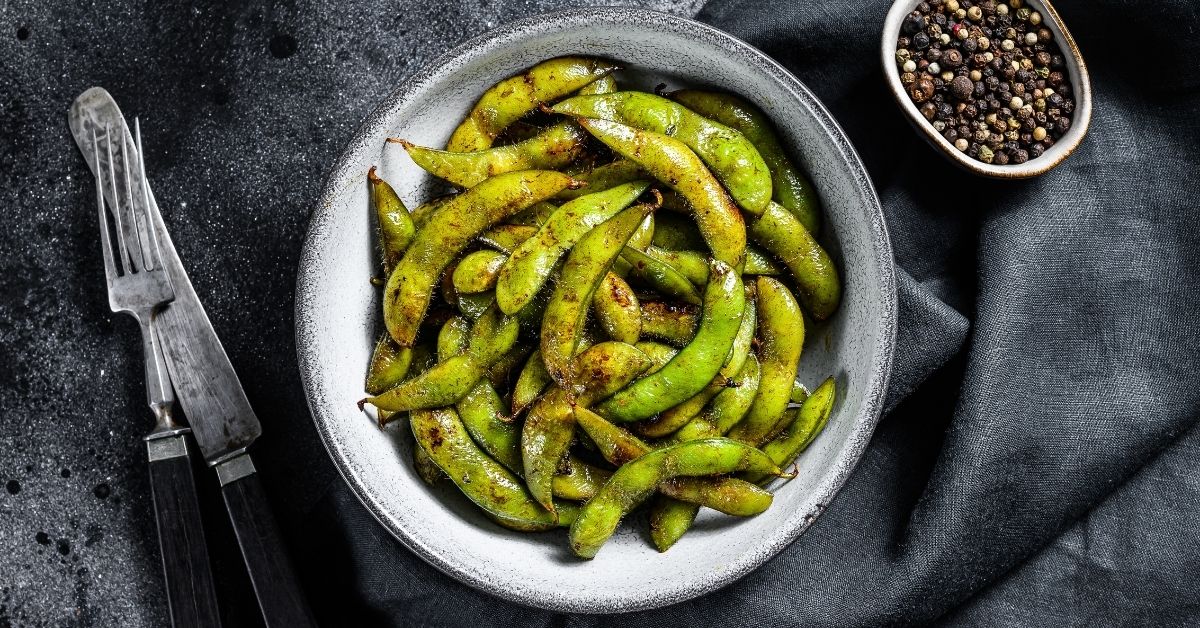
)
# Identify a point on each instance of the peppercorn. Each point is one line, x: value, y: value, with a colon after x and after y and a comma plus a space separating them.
x: 913, y: 23
x: 970, y: 45
x: 961, y: 144
x: 1001, y: 158
x: 975, y: 75
x: 1020, y: 156
x: 908, y: 78
x: 922, y: 90
x: 933, y: 54
x: 920, y: 41
x: 1036, y: 151
x: 952, y: 58
x: 985, y: 154
x: 1044, y: 34
x: 928, y: 110
x: 1039, y: 134
x: 962, y: 87
x: 975, y: 14
x: 1062, y: 125
x: 1055, y: 79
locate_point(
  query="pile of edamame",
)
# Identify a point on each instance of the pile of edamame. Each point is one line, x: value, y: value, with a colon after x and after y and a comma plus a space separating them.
x: 609, y: 310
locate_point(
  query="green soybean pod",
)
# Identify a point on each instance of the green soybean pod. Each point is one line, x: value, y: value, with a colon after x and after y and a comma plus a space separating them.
x: 617, y: 309
x: 448, y: 231
x: 389, y: 365
x: 674, y: 324
x: 658, y: 353
x: 422, y: 212
x: 660, y: 276
x: 477, y: 271
x: 551, y: 149
x: 484, y: 481
x: 673, y: 163
x: 696, y: 364
x: 677, y: 233
x: 726, y: 408
x: 425, y: 467
x: 506, y: 238
x: 637, y: 480
x: 473, y: 306
x: 603, y: 85
x: 581, y: 482
x: 759, y: 263
x: 780, y: 233
x: 532, y: 380
x: 799, y: 393
x: 532, y: 262
x: 550, y: 425
x: 448, y: 381
x: 790, y: 187
x: 600, y: 178
x: 510, y: 99
x: 781, y: 331
x: 676, y: 417
x: 693, y: 265
x: 585, y: 267
x: 453, y: 337
x: 806, y: 424
x: 482, y: 412
x: 534, y: 215
x: 733, y: 158
x: 396, y: 227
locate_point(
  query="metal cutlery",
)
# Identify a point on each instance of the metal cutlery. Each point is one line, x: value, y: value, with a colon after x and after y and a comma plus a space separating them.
x: 208, y: 389
x: 139, y: 286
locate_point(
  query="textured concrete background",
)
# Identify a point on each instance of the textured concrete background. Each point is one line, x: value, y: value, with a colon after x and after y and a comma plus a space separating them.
x: 242, y: 109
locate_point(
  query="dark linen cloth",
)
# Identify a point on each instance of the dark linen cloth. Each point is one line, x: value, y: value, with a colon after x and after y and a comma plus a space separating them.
x: 1045, y: 475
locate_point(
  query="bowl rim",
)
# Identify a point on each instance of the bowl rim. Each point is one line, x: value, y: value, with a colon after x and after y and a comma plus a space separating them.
x: 323, y: 219
x: 1081, y: 85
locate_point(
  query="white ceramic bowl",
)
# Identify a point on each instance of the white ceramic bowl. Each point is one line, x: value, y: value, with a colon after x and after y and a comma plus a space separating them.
x: 1081, y: 88
x: 337, y: 319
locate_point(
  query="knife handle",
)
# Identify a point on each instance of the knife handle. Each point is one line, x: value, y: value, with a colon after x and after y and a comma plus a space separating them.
x: 279, y: 595
x: 191, y: 596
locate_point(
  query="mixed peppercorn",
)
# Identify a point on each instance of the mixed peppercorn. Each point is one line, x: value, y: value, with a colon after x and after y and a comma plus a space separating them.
x: 988, y: 75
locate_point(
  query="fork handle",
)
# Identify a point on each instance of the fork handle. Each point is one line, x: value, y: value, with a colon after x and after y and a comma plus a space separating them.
x: 191, y: 596
x: 279, y: 596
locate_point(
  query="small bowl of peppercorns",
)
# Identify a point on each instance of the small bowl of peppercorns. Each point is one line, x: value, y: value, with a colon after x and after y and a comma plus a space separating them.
x: 998, y: 86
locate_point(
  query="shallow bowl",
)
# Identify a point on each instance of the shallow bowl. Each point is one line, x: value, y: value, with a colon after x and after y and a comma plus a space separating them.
x: 337, y: 319
x: 1081, y: 87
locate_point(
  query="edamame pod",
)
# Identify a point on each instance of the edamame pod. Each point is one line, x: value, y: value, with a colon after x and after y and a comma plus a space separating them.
x: 473, y: 306
x: 482, y: 412
x: 799, y: 393
x: 790, y: 187
x: 551, y: 149
x: 510, y: 99
x: 617, y: 309
x: 677, y: 233
x: 506, y: 238
x: 421, y: 214
x: 726, y: 408
x: 807, y: 422
x: 781, y: 331
x: 532, y: 380
x: 530, y: 265
x: 396, y: 227
x: 389, y: 365
x: 733, y: 158
x: 603, y: 85
x: 448, y: 231
x: 696, y: 364
x: 661, y: 276
x: 658, y: 353
x: 484, y: 481
x: 634, y: 482
x: 676, y: 417
x: 453, y: 338
x: 673, y: 163
x: 448, y: 381
x: 477, y: 271
x: 601, y: 178
x: 780, y: 233
x: 694, y: 265
x: 550, y: 426
x: 426, y: 469
x: 580, y: 483
x: 672, y: 323
x: 582, y: 272
x: 534, y: 215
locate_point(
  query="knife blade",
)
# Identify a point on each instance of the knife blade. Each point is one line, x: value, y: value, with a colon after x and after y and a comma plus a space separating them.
x: 211, y: 395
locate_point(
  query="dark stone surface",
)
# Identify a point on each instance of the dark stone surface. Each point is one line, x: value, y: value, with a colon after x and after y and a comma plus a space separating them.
x: 242, y: 109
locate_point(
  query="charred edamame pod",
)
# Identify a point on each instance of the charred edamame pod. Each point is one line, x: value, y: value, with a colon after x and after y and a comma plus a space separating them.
x: 551, y: 149
x: 780, y: 233
x: 510, y: 99
x: 449, y: 229
x: 781, y: 327
x: 477, y: 272
x: 396, y: 228
x: 617, y: 309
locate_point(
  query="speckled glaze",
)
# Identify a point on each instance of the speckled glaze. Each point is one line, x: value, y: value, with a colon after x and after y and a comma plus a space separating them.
x: 1081, y: 85
x: 337, y: 319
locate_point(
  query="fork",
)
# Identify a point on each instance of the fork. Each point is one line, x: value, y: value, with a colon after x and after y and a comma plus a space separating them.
x: 139, y: 286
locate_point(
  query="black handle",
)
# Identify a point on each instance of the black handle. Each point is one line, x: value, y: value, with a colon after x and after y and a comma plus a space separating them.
x: 279, y: 596
x: 190, y: 591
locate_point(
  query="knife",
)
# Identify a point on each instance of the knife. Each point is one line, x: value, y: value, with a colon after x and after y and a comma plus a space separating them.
x: 211, y: 395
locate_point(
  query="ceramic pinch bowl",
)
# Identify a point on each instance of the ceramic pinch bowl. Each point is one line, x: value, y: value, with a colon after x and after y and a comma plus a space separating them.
x: 338, y: 320
x: 1081, y: 89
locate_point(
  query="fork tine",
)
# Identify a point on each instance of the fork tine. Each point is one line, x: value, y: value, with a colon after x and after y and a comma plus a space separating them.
x: 110, y: 269
x: 151, y: 250
x: 116, y: 210
x: 134, y: 229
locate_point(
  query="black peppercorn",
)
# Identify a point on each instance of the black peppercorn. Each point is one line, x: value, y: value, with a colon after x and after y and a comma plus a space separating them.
x: 913, y: 24
x: 1042, y: 58
x: 1057, y: 62
x: 1000, y: 158
x: 920, y: 41
x: 1063, y: 124
x: 950, y: 135
x: 970, y: 44
x: 1036, y: 151
x: 952, y: 58
x: 933, y: 54
x: 922, y: 90
x: 962, y: 87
